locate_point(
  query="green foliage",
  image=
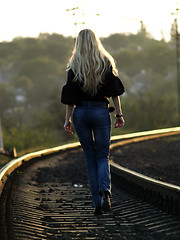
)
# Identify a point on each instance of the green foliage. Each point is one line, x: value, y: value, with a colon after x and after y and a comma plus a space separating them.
x: 157, y: 57
x: 32, y: 73
x: 4, y: 159
x: 24, y: 138
x: 7, y: 98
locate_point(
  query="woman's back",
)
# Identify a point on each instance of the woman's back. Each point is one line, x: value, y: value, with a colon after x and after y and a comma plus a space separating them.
x: 90, y: 61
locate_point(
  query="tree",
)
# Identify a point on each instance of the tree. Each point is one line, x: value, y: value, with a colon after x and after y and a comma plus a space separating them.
x: 38, y: 77
x: 7, y: 98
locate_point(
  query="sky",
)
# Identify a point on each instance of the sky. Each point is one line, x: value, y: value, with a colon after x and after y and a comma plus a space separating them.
x: 28, y: 18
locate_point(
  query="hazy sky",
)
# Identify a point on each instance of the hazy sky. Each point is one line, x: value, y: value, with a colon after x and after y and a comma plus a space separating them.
x: 31, y: 17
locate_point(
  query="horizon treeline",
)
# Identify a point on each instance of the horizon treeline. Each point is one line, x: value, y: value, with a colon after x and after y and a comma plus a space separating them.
x: 33, y: 71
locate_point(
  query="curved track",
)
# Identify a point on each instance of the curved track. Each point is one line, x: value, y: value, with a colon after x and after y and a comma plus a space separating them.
x: 50, y: 199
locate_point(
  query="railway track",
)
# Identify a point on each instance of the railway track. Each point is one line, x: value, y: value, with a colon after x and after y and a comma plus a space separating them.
x: 45, y: 195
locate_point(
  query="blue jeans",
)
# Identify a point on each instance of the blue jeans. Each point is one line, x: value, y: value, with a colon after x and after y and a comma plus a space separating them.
x: 93, y: 127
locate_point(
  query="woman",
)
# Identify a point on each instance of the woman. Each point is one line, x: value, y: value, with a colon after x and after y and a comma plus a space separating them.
x: 92, y: 79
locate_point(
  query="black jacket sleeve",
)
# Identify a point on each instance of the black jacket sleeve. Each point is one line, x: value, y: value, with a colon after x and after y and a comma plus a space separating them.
x: 70, y: 92
x: 113, y: 85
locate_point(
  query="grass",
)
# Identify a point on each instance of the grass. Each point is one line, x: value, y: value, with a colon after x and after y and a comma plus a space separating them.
x: 70, y: 139
x: 4, y: 159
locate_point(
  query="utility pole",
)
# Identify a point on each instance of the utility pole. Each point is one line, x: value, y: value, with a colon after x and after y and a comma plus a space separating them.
x: 177, y: 38
x: 142, y: 28
x: 75, y: 20
x: 178, y: 67
x: 74, y: 14
x: 1, y: 139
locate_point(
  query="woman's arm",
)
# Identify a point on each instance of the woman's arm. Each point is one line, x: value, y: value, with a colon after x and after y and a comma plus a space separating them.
x: 117, y: 104
x: 67, y: 124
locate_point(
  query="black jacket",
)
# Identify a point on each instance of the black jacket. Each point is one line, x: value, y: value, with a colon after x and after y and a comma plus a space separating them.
x: 72, y: 93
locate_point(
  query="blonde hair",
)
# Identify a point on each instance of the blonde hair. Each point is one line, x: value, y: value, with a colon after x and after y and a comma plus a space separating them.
x: 90, y: 61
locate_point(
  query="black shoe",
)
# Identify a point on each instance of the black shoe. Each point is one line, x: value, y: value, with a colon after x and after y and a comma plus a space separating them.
x: 106, y: 203
x: 98, y: 211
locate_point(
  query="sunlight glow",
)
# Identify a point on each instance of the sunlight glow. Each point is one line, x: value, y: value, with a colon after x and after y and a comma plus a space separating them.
x: 31, y: 17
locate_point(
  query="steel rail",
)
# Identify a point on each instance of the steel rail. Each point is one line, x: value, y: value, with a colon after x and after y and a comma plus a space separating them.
x: 163, y: 190
x: 164, y: 195
x: 43, y: 214
x: 149, y: 134
x: 15, y: 163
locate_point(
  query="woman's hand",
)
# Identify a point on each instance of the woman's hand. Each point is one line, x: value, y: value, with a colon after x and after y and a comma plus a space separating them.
x: 119, y: 122
x: 67, y: 127
x: 119, y: 119
x: 67, y: 124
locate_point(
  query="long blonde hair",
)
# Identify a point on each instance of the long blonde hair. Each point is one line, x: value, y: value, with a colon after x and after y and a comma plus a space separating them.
x: 90, y: 61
